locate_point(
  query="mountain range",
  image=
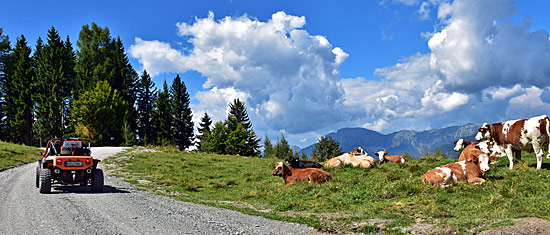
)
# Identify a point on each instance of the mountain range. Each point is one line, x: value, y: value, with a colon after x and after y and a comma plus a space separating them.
x: 417, y: 143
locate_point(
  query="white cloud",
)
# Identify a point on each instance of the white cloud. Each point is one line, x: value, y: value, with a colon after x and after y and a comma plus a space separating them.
x: 290, y: 77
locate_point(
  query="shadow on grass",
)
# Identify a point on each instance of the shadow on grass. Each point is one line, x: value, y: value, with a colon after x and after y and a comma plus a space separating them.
x: 85, y: 189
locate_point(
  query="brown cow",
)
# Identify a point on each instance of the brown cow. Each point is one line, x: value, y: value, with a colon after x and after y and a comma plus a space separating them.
x: 470, y: 170
x: 471, y: 150
x: 530, y: 135
x: 291, y: 175
x: 383, y: 158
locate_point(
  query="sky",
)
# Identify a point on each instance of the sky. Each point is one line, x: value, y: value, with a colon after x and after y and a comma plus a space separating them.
x: 306, y: 68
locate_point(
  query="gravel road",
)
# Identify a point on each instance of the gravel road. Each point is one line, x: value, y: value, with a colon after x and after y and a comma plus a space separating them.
x: 120, y: 209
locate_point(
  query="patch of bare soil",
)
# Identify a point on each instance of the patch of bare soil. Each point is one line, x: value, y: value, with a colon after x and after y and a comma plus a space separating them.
x: 522, y: 226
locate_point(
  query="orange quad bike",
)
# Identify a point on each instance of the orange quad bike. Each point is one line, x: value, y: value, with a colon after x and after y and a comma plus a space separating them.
x: 68, y: 161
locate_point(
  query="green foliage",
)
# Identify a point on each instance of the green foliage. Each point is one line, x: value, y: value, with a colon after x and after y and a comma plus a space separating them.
x: 282, y: 148
x: 128, y: 134
x: 99, y: 115
x: 238, y: 115
x: 204, y: 128
x: 269, y: 151
x: 146, y: 94
x: 326, y: 148
x: 5, y: 49
x: 21, y: 81
x: 15, y: 154
x: 53, y: 86
x: 182, y: 126
x: 162, y: 117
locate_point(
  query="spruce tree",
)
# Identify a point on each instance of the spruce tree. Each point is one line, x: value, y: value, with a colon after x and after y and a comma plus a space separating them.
x: 182, y: 126
x: 94, y: 58
x: 203, y: 129
x: 146, y: 95
x: 52, y: 87
x: 326, y: 148
x: 282, y: 148
x: 5, y: 49
x: 268, y: 148
x: 238, y: 115
x: 162, y: 117
x: 22, y: 77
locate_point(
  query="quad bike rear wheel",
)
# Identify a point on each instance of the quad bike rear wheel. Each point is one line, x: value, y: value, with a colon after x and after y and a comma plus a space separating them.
x: 45, y: 181
x: 97, y: 181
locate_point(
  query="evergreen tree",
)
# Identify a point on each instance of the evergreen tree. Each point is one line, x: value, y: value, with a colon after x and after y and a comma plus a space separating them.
x: 282, y: 148
x: 22, y: 77
x: 203, y: 129
x: 52, y: 87
x: 94, y: 58
x: 238, y: 115
x: 146, y: 95
x: 268, y: 148
x: 216, y: 141
x: 303, y: 155
x: 99, y: 115
x: 5, y: 49
x: 125, y: 78
x: 182, y: 115
x: 162, y: 117
x: 326, y: 148
x: 128, y: 134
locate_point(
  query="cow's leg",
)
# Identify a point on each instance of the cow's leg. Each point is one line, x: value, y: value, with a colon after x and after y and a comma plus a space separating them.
x: 517, y: 154
x: 476, y: 180
x: 510, y: 155
x: 539, y: 152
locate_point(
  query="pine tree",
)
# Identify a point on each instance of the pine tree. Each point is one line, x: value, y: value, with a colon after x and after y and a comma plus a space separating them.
x: 94, y: 58
x: 183, y: 126
x: 125, y: 78
x: 268, y: 148
x: 203, y: 129
x: 99, y: 115
x: 326, y: 148
x: 303, y: 155
x: 22, y: 79
x: 282, y: 148
x: 5, y: 50
x: 162, y: 117
x: 128, y: 134
x: 238, y: 115
x: 146, y: 95
x: 52, y: 87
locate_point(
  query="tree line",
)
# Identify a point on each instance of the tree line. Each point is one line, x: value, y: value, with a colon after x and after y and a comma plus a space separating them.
x: 94, y: 92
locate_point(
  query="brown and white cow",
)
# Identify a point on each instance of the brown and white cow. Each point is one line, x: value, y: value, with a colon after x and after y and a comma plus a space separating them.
x: 469, y: 170
x: 471, y: 150
x: 291, y: 175
x: 529, y: 135
x: 383, y: 158
x: 363, y: 160
x: 461, y: 144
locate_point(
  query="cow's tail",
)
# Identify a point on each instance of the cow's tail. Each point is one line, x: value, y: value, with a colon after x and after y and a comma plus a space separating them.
x: 548, y: 136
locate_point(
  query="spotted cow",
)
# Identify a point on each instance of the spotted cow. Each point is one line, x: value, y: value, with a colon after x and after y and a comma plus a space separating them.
x: 514, y: 136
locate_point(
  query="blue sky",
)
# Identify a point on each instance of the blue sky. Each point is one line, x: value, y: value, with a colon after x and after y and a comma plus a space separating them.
x: 309, y: 67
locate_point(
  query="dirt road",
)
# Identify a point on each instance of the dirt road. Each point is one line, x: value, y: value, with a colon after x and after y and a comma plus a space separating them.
x: 120, y: 209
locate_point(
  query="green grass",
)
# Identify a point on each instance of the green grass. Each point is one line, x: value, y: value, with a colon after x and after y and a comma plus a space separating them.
x: 355, y: 200
x: 15, y: 154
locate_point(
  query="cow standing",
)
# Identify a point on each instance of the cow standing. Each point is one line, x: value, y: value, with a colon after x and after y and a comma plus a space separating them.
x: 529, y: 135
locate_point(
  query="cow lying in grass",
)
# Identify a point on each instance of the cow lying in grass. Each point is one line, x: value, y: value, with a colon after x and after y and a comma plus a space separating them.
x: 291, y: 175
x: 383, y: 158
x: 470, y: 170
x: 363, y: 160
x: 296, y: 163
x: 471, y: 150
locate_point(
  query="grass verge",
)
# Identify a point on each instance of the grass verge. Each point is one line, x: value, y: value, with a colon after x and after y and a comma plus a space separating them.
x: 15, y: 154
x: 389, y: 198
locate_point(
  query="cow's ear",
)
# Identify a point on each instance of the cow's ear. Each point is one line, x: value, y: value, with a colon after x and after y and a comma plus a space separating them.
x: 376, y: 154
x: 385, y: 153
x: 454, y: 142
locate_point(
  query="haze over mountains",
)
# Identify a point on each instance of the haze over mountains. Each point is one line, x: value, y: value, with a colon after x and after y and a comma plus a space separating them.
x: 414, y: 142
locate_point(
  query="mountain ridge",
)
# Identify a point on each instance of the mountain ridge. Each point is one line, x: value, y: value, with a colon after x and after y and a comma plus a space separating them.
x: 416, y: 143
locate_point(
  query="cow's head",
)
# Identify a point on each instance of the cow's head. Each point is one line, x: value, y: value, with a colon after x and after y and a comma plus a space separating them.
x: 483, y: 163
x: 483, y: 133
x: 281, y: 170
x: 292, y: 161
x: 459, y: 145
x: 381, y: 157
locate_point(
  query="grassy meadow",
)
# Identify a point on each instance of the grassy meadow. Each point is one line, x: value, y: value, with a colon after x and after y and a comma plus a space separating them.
x: 15, y: 154
x: 389, y: 198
